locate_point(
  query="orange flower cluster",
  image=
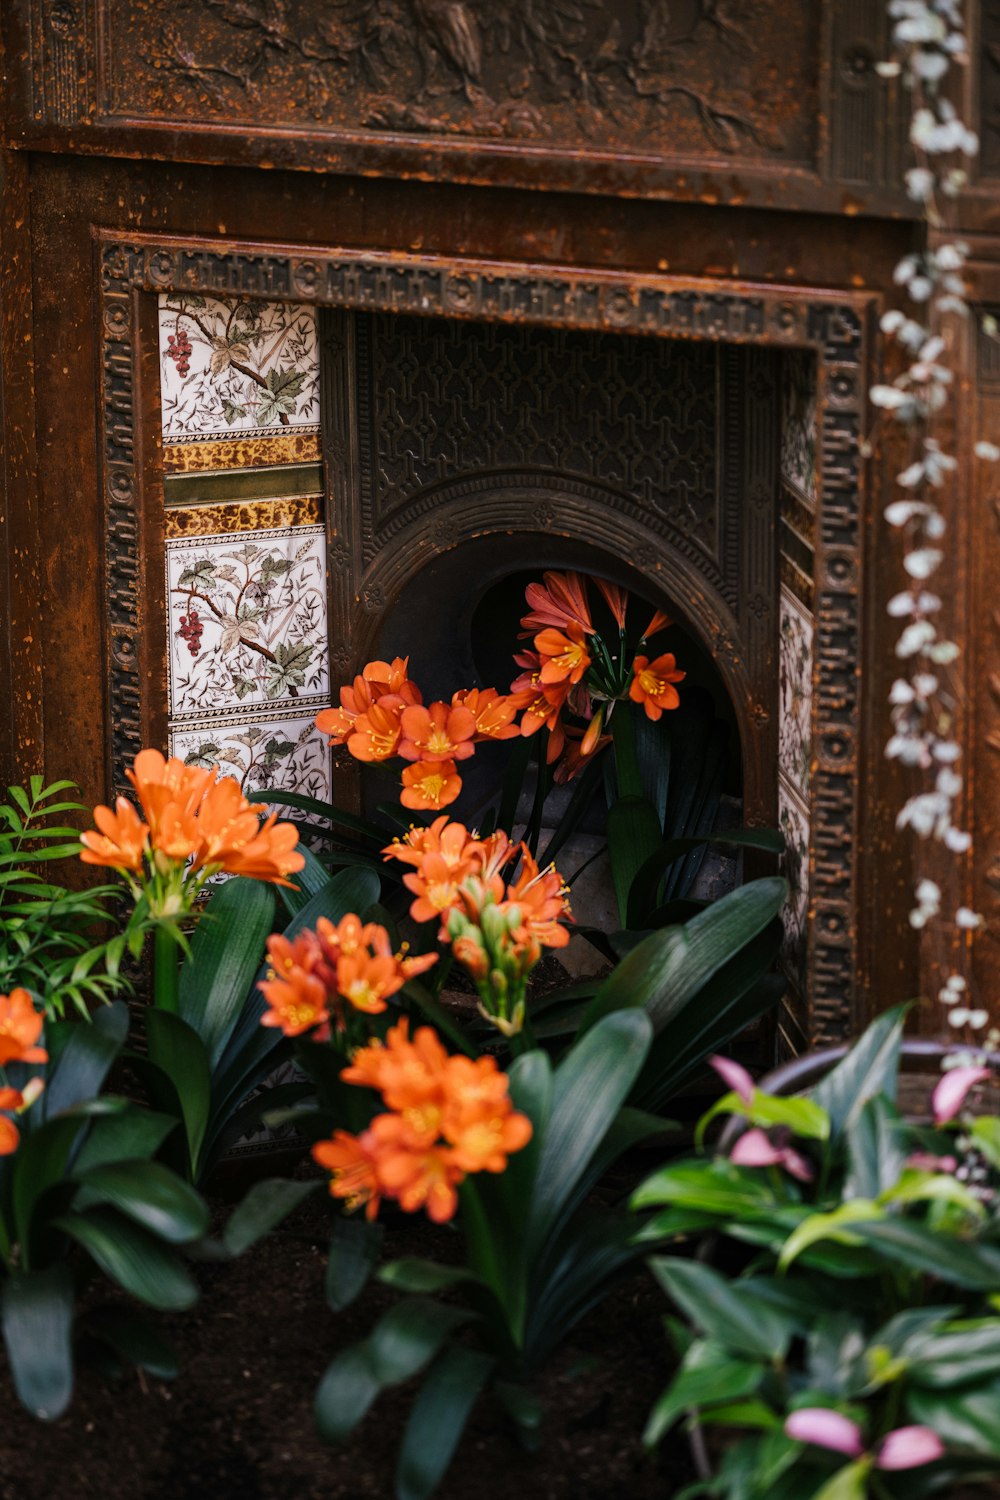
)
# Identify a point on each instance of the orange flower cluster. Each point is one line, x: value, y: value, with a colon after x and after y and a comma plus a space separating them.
x: 314, y: 974
x: 382, y: 716
x: 190, y: 816
x: 570, y: 665
x: 447, y: 1116
x: 497, y: 932
x: 20, y: 1029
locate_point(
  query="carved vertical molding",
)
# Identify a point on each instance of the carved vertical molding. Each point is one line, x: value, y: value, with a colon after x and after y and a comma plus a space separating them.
x: 984, y: 671
x: 861, y: 113
x: 61, y: 69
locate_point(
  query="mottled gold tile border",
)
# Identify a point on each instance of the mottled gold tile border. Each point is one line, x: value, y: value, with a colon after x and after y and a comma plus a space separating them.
x: 225, y: 486
x: 254, y: 515
x: 241, y: 453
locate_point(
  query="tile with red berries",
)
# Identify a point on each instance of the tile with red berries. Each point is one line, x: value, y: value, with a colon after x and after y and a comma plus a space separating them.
x: 247, y: 621
x: 239, y: 382
x: 285, y: 753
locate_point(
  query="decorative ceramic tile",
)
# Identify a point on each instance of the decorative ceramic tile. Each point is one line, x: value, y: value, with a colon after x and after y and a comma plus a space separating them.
x: 793, y: 820
x: 247, y: 620
x: 285, y: 753
x: 253, y: 515
x: 798, y: 422
x: 795, y: 654
x: 239, y: 382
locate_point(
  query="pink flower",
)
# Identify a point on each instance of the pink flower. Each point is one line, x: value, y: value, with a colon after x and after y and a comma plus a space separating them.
x: 734, y: 1077
x: 950, y: 1094
x: 825, y: 1428
x: 908, y: 1448
x: 926, y: 1161
x: 755, y: 1149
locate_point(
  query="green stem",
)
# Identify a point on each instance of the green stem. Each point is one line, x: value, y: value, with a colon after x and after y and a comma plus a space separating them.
x: 165, y: 969
x: 626, y: 759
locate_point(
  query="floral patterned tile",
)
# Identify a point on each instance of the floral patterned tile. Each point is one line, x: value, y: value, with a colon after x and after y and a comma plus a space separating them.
x: 793, y: 820
x: 798, y: 422
x: 239, y: 382
x: 247, y: 620
x: 284, y: 753
x: 795, y: 656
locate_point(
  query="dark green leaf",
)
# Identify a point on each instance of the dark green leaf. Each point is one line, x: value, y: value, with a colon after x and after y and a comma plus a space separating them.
x: 726, y: 1310
x: 876, y: 1149
x: 422, y: 1276
x: 37, y: 1314
x: 438, y: 1419
x: 589, y: 1088
x: 132, y: 1257
x: 409, y: 1335
x: 965, y: 1419
x: 346, y: 1392
x: 226, y: 952
x: 869, y: 1068
x: 85, y: 1059
x: 177, y: 1049
x: 633, y: 838
x: 355, y: 1248
x: 709, y: 1376
x: 266, y: 1204
x: 134, y: 1134
x: 148, y: 1193
x: 956, y: 1262
x: 962, y: 1353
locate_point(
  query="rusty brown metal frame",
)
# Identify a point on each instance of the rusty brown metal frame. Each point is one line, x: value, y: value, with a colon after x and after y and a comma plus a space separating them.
x: 837, y: 326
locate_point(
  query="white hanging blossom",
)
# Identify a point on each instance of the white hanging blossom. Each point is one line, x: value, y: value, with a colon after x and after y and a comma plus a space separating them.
x: 928, y: 40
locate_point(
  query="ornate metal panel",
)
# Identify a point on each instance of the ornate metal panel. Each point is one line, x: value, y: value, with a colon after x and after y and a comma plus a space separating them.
x: 713, y: 100
x: 835, y: 326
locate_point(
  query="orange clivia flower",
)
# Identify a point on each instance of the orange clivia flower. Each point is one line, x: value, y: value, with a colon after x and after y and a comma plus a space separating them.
x: 164, y: 785
x: 561, y: 600
x: 122, y: 841
x: 416, y: 1175
x: 444, y: 855
x: 653, y: 684
x: 377, y: 732
x: 20, y: 1027
x: 659, y: 622
x: 379, y: 680
x: 10, y: 1136
x: 437, y: 733
x: 298, y: 1001
x: 616, y: 599
x: 269, y: 855
x: 479, y: 1119
x: 352, y: 1163
x: 542, y: 899
x: 430, y: 785
x: 407, y: 1073
x: 564, y: 656
x: 493, y: 712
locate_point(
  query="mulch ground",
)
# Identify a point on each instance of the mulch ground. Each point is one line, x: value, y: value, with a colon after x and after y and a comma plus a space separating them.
x: 237, y: 1424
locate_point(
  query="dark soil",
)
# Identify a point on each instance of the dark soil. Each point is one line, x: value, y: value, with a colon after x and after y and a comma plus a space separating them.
x: 237, y: 1424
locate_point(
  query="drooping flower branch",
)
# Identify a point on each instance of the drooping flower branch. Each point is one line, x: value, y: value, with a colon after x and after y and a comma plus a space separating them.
x: 929, y: 40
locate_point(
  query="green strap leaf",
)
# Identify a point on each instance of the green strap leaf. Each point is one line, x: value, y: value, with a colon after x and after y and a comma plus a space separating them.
x: 589, y: 1088
x: 355, y: 1248
x: 85, y: 1056
x: 134, y: 1134
x: 669, y: 967
x: 226, y: 952
x: 438, y: 1420
x: 265, y: 1206
x: 37, y: 1312
x: 132, y: 1257
x: 149, y: 1194
x: 179, y: 1052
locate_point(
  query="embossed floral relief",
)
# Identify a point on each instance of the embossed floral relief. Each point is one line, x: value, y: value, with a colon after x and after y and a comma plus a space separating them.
x: 795, y: 657
x: 793, y: 820
x: 247, y: 620
x: 798, y: 422
x: 239, y: 382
